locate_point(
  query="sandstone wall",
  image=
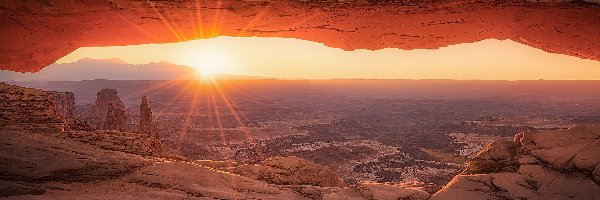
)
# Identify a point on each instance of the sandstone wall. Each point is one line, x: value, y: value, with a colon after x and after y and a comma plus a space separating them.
x: 28, y: 109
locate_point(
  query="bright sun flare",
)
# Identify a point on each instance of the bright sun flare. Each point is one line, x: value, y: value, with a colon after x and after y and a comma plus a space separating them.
x: 209, y: 63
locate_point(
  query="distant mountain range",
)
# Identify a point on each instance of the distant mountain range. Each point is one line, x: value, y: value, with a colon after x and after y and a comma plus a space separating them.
x: 112, y: 69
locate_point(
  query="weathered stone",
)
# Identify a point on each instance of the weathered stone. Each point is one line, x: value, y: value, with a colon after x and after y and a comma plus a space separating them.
x: 29, y: 110
x: 200, y: 181
x: 498, y: 156
x: 65, y: 105
x: 145, y: 124
x: 135, y: 143
x: 290, y: 171
x: 561, y: 164
x: 108, y: 112
x: 388, y: 191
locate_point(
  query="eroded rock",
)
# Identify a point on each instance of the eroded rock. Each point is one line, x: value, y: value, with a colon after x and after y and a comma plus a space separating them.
x: 290, y: 171
x: 145, y: 125
x: 28, y: 110
x: 108, y: 112
x: 561, y: 164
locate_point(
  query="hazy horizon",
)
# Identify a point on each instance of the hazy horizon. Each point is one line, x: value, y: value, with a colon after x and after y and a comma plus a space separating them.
x: 288, y: 58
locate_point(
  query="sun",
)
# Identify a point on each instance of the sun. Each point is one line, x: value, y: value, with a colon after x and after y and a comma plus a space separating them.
x: 209, y: 63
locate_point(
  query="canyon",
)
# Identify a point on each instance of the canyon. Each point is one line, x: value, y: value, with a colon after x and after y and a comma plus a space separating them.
x: 48, y: 162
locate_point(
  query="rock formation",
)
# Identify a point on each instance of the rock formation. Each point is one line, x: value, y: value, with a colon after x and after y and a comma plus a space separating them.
x: 560, y: 164
x: 135, y: 143
x: 108, y: 112
x: 145, y: 125
x: 65, y: 105
x: 290, y: 171
x: 28, y: 109
x: 28, y: 45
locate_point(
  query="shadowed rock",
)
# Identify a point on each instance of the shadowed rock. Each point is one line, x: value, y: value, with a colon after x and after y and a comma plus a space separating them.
x: 108, y: 112
x: 145, y: 125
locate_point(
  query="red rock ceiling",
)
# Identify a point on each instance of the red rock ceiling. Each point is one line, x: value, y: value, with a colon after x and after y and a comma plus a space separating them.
x: 37, y: 33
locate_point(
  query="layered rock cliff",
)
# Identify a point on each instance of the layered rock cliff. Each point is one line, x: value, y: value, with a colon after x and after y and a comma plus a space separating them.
x: 28, y: 110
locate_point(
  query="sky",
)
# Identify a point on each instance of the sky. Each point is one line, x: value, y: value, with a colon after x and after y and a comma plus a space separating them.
x: 289, y: 58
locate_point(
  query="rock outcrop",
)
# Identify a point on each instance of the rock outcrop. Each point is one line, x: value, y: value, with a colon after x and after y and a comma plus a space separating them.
x: 561, y: 164
x: 108, y: 112
x: 65, y: 105
x: 29, y: 110
x: 145, y: 124
x: 135, y: 143
x: 28, y: 45
x: 290, y: 171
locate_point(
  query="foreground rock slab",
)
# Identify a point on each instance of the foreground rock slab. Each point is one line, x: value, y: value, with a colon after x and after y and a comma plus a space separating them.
x: 541, y: 165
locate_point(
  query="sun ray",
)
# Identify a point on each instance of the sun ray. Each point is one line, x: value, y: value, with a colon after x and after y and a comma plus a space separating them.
x: 164, y: 20
x: 295, y: 24
x: 239, y: 121
x: 156, y: 39
x: 254, y: 20
x: 218, y: 117
x: 214, y: 31
x: 164, y: 84
x: 198, y: 20
x: 188, y: 120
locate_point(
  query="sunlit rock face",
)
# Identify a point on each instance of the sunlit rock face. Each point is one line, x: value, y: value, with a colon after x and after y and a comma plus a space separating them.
x: 36, y: 33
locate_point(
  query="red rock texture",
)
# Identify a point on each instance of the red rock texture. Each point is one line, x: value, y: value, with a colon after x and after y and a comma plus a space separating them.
x: 29, y: 110
x: 34, y: 34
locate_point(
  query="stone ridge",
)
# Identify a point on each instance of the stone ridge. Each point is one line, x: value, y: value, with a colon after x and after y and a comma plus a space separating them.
x: 29, y: 110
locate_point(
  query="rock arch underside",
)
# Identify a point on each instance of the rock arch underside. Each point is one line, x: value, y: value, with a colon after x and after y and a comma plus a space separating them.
x: 35, y: 34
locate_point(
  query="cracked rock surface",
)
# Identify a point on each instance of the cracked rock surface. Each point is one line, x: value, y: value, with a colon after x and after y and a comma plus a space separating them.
x: 560, y: 164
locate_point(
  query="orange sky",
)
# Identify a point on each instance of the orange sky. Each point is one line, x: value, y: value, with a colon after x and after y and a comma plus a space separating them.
x: 293, y: 58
